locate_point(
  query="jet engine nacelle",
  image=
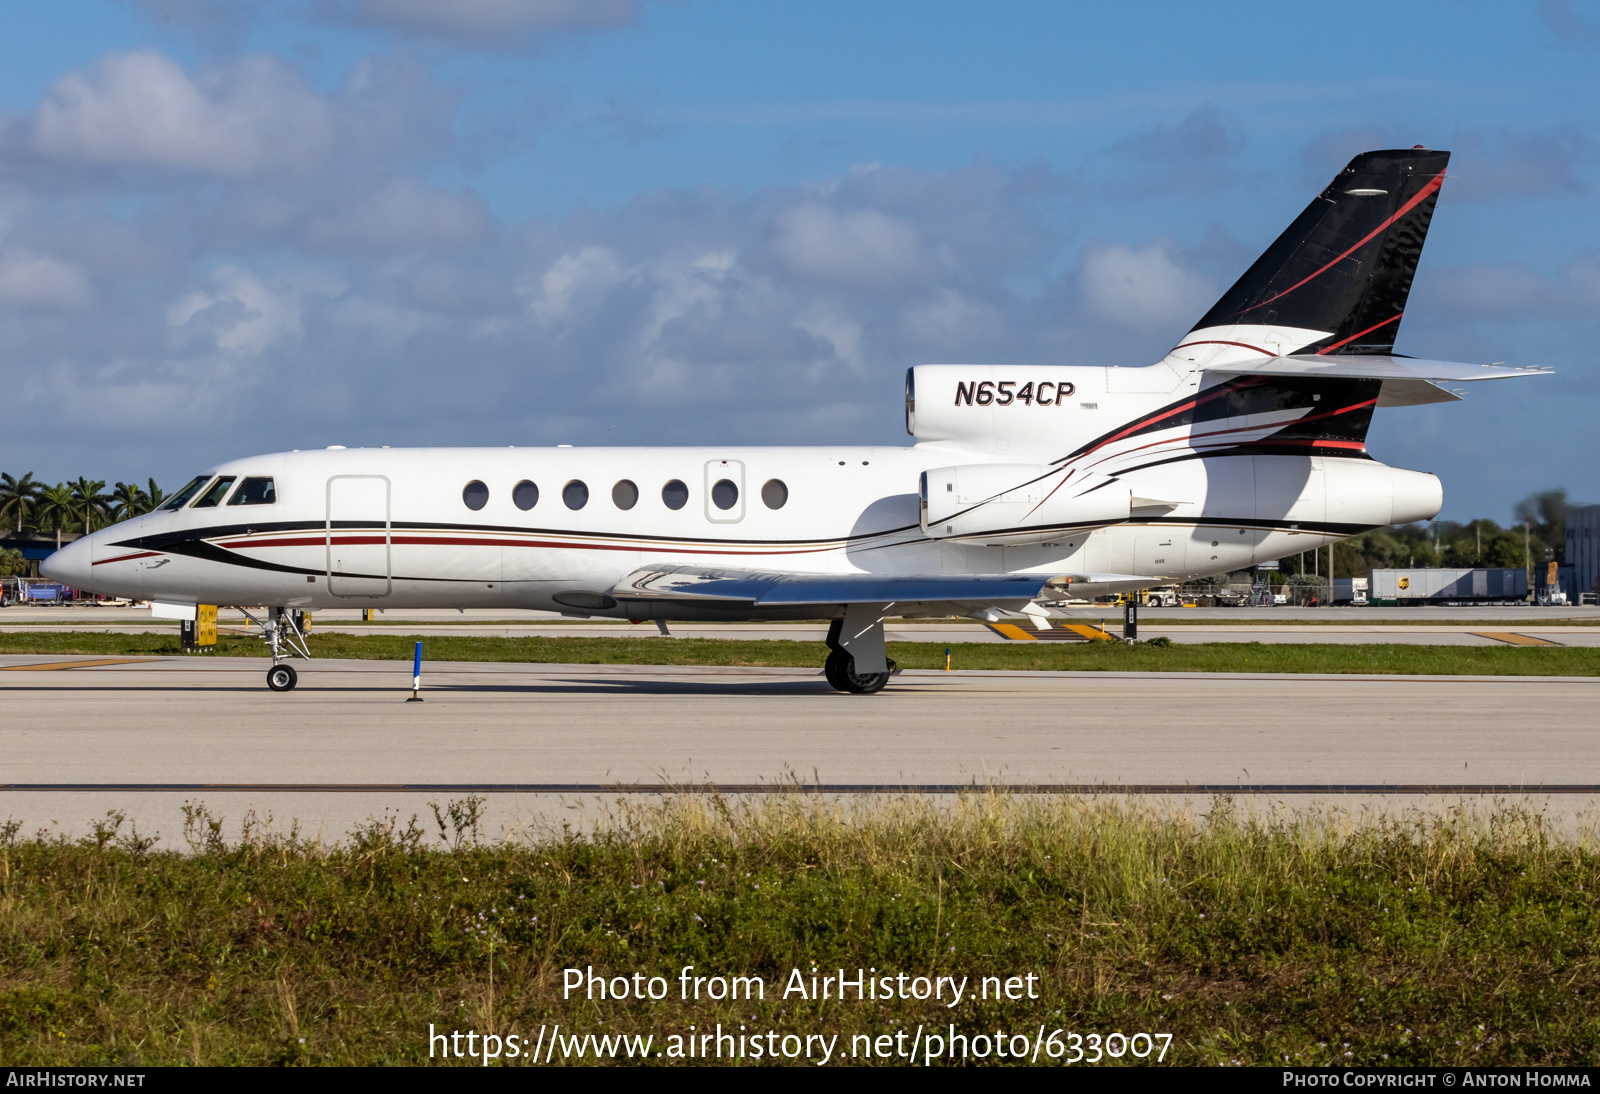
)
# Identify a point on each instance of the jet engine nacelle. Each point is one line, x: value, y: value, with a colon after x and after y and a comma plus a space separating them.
x: 1017, y: 502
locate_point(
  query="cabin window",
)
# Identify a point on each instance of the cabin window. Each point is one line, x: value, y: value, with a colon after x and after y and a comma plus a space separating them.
x: 475, y: 495
x: 181, y: 498
x: 724, y: 495
x: 525, y: 495
x: 214, y: 496
x: 625, y: 495
x: 774, y: 493
x: 675, y: 495
x: 255, y: 490
x: 575, y: 494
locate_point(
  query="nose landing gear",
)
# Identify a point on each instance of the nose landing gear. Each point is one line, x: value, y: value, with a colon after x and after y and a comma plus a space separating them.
x: 282, y: 631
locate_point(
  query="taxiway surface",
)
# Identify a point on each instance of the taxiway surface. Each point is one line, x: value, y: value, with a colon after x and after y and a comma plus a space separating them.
x: 142, y: 736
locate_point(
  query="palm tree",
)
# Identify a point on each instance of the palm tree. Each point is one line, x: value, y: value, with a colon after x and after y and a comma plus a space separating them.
x: 129, y: 500
x: 156, y: 497
x: 18, y: 496
x: 56, y: 506
x: 88, y: 500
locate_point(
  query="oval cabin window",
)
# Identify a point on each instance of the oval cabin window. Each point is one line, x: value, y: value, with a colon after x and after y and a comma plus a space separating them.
x: 525, y: 495
x: 724, y: 495
x: 475, y: 495
x: 575, y: 494
x: 675, y: 495
x: 625, y: 495
x: 774, y: 493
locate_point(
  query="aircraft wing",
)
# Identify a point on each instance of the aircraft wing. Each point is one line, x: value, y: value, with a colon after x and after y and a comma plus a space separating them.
x: 746, y: 587
x: 736, y: 588
x: 1407, y: 381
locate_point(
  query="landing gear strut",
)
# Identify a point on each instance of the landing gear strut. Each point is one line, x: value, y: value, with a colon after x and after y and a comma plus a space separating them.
x: 865, y: 633
x: 282, y: 631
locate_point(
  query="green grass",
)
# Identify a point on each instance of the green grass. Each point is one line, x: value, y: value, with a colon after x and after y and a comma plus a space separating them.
x: 1017, y: 656
x: 1445, y: 942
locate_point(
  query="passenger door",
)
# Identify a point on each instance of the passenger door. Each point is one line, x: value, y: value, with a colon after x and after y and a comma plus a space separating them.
x: 358, y: 536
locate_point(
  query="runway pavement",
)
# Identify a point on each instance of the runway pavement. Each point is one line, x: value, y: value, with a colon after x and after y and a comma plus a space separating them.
x: 143, y: 736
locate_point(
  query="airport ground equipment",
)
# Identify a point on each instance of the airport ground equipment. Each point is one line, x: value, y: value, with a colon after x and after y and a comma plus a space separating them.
x: 1024, y: 484
x: 1434, y: 585
x: 199, y: 634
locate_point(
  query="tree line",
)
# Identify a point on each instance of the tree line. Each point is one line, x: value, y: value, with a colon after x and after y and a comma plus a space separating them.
x: 1541, y: 527
x: 81, y: 505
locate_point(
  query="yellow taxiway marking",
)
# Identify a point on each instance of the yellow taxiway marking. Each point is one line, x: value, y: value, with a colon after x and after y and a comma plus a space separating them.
x: 1061, y: 631
x: 75, y: 664
x: 1515, y: 639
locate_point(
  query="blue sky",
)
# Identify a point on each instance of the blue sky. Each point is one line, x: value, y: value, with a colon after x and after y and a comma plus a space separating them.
x: 237, y: 227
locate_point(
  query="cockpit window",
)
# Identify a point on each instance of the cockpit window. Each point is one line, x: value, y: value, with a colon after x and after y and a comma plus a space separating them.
x: 181, y: 498
x: 214, y: 496
x: 256, y: 490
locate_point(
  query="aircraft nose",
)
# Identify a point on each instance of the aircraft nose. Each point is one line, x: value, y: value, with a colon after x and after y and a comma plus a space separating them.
x: 70, y: 565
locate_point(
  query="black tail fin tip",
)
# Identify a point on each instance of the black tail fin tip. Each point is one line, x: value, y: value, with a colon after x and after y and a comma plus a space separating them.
x: 1342, y: 271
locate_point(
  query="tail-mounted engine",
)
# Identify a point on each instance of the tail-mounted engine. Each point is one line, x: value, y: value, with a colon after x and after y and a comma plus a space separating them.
x: 1018, y: 502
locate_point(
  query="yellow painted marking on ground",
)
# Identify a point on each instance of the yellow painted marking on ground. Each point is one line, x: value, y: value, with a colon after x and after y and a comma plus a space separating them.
x: 1089, y: 631
x: 1012, y: 632
x: 1515, y: 639
x: 75, y: 664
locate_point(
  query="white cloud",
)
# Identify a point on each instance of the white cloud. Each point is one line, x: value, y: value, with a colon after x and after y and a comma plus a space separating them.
x: 401, y: 215
x: 142, y: 109
x: 248, y: 316
x: 860, y: 248
x: 587, y: 272
x: 1143, y: 288
x: 37, y: 280
x: 946, y: 322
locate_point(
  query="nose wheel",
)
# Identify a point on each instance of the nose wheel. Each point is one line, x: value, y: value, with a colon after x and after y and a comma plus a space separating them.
x: 282, y: 678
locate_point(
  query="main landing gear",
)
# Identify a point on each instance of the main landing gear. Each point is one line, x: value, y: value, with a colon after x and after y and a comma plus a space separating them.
x: 855, y: 651
x: 281, y: 629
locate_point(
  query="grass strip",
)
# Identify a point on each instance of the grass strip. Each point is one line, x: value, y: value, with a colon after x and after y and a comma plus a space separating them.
x: 1457, y: 940
x: 1381, y: 658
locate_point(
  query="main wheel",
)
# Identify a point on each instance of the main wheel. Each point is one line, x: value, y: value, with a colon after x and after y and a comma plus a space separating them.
x: 282, y: 678
x: 840, y: 669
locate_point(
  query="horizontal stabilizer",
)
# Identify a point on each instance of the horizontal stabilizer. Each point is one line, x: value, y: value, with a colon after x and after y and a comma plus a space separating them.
x: 1363, y: 367
x: 739, y: 587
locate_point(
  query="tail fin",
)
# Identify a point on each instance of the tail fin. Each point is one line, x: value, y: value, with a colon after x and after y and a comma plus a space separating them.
x: 1336, y: 281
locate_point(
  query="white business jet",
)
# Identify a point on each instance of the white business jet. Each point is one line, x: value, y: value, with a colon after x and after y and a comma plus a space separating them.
x: 1246, y: 443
